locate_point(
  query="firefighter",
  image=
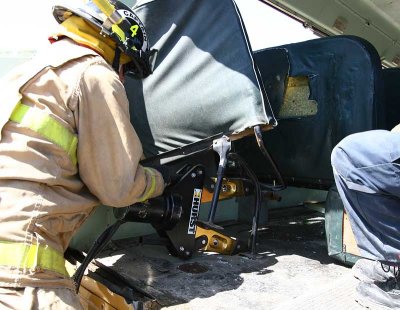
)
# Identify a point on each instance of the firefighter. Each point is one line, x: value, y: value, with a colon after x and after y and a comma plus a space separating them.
x: 66, y: 146
x: 367, y: 173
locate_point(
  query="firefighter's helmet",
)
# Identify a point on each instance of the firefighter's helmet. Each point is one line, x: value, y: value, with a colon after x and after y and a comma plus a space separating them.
x: 119, y: 23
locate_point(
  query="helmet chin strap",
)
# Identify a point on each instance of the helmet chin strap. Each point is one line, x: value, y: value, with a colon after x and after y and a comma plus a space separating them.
x: 116, y: 60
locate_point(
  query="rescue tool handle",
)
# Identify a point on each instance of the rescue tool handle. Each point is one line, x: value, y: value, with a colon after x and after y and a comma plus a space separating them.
x: 222, y: 146
x: 164, y: 211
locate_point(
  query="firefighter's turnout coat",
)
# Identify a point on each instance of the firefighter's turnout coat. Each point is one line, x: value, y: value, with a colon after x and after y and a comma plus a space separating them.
x: 67, y: 145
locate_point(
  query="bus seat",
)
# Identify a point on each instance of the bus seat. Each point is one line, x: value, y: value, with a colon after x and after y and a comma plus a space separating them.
x: 336, y: 87
x: 391, y: 80
x: 205, y: 83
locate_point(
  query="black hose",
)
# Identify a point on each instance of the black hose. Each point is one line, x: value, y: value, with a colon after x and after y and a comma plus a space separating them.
x: 95, y: 249
x: 264, y: 151
x: 217, y: 189
x: 258, y: 199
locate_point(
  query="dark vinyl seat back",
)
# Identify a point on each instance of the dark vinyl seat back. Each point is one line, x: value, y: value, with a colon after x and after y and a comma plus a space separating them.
x: 391, y: 80
x: 204, y: 84
x: 344, y: 79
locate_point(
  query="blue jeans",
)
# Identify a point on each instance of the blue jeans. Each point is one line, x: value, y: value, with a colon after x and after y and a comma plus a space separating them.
x: 366, y: 167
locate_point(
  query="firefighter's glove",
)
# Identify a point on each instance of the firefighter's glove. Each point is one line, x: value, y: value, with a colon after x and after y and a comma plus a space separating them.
x: 169, y: 175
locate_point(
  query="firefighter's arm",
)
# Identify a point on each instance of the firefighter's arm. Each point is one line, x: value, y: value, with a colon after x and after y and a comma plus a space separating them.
x: 109, y: 149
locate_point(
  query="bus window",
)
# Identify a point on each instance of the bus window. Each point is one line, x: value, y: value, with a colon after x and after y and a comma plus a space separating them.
x: 268, y: 27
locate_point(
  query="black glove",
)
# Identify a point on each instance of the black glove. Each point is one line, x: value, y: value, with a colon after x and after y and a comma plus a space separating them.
x: 169, y: 175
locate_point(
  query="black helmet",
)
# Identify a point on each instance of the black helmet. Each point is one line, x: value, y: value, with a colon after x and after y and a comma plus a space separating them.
x: 119, y: 23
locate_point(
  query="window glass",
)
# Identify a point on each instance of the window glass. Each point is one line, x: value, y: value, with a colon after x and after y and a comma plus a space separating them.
x: 269, y: 27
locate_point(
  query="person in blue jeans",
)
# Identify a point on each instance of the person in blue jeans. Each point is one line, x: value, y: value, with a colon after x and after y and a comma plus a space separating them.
x: 366, y: 167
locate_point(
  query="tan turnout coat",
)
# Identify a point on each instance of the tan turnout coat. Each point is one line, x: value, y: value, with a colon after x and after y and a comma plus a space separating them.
x: 44, y: 197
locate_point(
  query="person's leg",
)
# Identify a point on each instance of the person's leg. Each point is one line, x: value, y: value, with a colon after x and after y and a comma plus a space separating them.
x: 54, y: 299
x: 32, y: 298
x: 367, y: 176
x: 11, y: 298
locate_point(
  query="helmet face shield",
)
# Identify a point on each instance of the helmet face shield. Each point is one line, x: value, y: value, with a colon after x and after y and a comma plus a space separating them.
x: 88, y: 11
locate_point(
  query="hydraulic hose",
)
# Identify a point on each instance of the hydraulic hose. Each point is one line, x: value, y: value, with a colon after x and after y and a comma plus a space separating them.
x: 258, y: 199
x: 264, y: 151
x: 97, y: 246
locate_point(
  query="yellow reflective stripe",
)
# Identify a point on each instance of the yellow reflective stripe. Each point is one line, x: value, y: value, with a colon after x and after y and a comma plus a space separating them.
x: 152, y: 188
x: 33, y: 256
x: 48, y: 127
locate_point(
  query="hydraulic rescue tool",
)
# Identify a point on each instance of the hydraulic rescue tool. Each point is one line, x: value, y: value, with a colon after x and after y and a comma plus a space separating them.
x: 175, y: 215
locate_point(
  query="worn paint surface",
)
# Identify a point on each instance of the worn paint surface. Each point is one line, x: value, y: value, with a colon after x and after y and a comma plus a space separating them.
x: 293, y: 265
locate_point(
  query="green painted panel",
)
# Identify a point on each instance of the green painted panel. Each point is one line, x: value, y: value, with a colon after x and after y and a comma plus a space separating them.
x: 334, y: 228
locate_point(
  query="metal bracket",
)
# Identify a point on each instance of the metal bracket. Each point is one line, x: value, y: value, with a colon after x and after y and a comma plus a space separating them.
x: 222, y: 146
x: 209, y: 240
